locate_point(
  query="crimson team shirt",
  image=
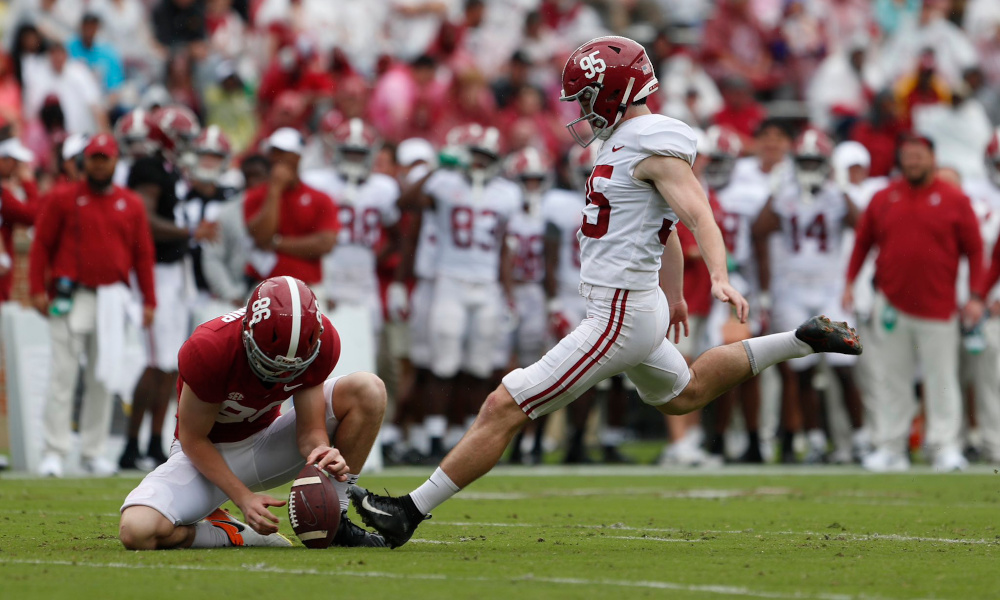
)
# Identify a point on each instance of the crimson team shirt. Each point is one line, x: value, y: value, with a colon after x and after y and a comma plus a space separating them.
x: 213, y: 363
x: 303, y: 211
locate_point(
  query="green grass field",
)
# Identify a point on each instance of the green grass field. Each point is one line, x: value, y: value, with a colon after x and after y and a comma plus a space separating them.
x: 550, y: 532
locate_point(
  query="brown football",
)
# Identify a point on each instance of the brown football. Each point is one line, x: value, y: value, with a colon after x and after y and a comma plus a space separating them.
x: 314, y: 508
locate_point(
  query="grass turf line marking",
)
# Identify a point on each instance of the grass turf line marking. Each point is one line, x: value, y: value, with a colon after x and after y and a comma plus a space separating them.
x: 263, y: 568
x: 892, y: 537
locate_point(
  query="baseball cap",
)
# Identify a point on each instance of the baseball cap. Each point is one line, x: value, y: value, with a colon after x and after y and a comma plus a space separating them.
x: 849, y: 154
x: 74, y: 145
x: 13, y: 148
x: 286, y: 139
x: 415, y: 150
x: 102, y: 143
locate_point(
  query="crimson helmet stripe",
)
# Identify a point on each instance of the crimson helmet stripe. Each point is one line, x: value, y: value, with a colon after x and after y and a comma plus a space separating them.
x: 293, y: 343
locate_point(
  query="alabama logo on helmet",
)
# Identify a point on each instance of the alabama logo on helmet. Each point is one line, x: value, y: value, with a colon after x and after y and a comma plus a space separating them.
x: 282, y: 329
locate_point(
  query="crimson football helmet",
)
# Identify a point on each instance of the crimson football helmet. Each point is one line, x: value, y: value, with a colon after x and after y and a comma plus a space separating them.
x: 282, y: 329
x: 812, y: 152
x: 722, y: 146
x: 581, y: 164
x: 328, y: 125
x: 993, y: 158
x: 355, y: 143
x: 531, y: 169
x: 211, y: 151
x: 606, y: 76
x: 138, y: 134
x: 180, y: 127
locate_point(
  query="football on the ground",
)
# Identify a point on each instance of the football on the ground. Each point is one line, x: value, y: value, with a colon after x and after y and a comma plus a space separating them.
x: 314, y: 508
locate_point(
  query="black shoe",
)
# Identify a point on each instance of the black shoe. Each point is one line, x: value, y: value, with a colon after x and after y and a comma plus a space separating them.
x: 157, y: 456
x: 395, y: 518
x: 577, y: 456
x: 350, y: 535
x: 613, y: 455
x: 129, y: 459
x: 824, y: 335
x: 752, y: 456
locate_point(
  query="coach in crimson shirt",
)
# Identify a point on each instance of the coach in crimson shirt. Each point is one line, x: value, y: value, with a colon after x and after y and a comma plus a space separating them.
x: 922, y: 226
x: 295, y: 222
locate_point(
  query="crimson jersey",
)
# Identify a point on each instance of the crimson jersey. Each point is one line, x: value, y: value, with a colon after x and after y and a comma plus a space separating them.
x: 213, y: 363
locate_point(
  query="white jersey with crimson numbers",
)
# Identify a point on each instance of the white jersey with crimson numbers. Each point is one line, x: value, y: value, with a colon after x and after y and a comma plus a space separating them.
x: 470, y: 223
x: 812, y: 230
x: 526, y: 239
x: 626, y: 221
x: 563, y: 210
x: 363, y: 210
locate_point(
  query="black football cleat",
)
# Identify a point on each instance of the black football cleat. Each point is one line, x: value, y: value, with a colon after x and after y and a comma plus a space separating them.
x: 395, y: 518
x: 350, y: 535
x: 824, y: 335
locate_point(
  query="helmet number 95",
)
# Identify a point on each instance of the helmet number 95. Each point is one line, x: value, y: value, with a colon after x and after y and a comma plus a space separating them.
x: 592, y: 64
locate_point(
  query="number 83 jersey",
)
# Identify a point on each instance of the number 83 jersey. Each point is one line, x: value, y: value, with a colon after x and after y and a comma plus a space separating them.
x: 626, y: 221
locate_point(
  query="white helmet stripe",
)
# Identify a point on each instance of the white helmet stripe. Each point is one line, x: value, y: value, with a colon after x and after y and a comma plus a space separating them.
x: 293, y: 344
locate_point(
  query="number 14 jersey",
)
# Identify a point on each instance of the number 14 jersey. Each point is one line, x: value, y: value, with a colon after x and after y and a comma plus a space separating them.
x: 626, y: 221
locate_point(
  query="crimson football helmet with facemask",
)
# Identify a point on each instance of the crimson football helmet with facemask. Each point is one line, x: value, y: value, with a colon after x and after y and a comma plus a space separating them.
x: 282, y: 329
x: 211, y: 151
x: 812, y: 152
x: 722, y: 146
x: 531, y: 169
x: 993, y: 158
x: 180, y: 128
x: 138, y: 134
x: 355, y: 143
x: 606, y: 76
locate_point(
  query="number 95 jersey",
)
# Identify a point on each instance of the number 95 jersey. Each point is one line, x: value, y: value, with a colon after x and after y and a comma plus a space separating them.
x: 626, y: 221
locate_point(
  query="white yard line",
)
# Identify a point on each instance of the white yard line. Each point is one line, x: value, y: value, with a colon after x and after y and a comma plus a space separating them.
x: 263, y: 568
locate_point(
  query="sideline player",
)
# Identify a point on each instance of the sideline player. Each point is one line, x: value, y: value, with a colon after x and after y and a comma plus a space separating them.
x: 641, y: 186
x: 231, y: 443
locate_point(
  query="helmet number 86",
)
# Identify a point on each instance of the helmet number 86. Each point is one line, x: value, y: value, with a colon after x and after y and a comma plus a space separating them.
x: 259, y: 310
x: 592, y: 64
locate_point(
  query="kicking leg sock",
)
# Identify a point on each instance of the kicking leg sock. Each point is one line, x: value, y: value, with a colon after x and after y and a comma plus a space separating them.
x: 769, y: 350
x: 210, y: 535
x: 341, y: 487
x: 433, y: 492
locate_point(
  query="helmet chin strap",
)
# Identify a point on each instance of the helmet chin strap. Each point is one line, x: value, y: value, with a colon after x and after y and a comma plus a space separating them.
x: 607, y: 131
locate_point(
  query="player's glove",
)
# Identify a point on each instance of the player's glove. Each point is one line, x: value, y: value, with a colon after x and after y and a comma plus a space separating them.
x: 397, y: 301
x: 558, y: 322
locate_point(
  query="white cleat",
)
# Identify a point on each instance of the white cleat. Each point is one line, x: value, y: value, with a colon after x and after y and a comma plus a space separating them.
x: 52, y: 466
x: 99, y: 466
x: 950, y: 460
x: 886, y: 461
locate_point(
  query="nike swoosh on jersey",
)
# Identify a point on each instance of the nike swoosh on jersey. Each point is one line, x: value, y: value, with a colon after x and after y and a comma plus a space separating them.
x: 290, y: 388
x: 367, y: 506
x: 616, y: 149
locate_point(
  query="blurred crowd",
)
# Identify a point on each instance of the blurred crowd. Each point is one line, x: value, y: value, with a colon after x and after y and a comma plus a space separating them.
x: 226, y: 112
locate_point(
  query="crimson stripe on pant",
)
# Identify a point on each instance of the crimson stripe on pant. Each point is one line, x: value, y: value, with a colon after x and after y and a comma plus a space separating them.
x: 558, y: 388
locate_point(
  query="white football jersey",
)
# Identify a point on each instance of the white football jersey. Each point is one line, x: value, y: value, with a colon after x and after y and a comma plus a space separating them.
x: 563, y: 209
x: 470, y: 224
x: 526, y: 236
x: 626, y: 221
x: 985, y: 200
x: 811, y: 234
x: 363, y: 211
x: 741, y: 202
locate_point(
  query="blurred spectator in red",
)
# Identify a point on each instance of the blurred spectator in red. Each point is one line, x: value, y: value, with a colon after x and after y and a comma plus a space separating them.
x: 231, y: 106
x: 528, y: 109
x: 57, y: 20
x: 179, y: 23
x: 922, y: 87
x: 295, y: 67
x: 179, y: 81
x: 72, y: 84
x: 736, y: 43
x: 841, y: 89
x: 468, y: 101
x: 408, y: 99
x: 289, y: 111
x: 352, y: 97
x: 18, y: 203
x: 953, y: 51
x: 688, y: 93
x: 740, y: 112
x: 879, y: 133
x: 10, y: 92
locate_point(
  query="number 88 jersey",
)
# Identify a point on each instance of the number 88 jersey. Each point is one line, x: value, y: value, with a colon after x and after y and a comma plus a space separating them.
x: 470, y: 224
x: 626, y: 221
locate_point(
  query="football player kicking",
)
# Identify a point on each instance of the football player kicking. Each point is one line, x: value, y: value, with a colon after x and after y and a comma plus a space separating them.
x: 641, y: 186
x: 231, y: 440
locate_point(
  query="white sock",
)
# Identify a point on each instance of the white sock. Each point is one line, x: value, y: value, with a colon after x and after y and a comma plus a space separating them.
x: 769, y: 350
x: 817, y: 439
x: 207, y: 535
x: 418, y: 439
x: 341, y: 487
x: 436, y: 426
x: 433, y: 492
x: 390, y: 435
x: 612, y: 436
